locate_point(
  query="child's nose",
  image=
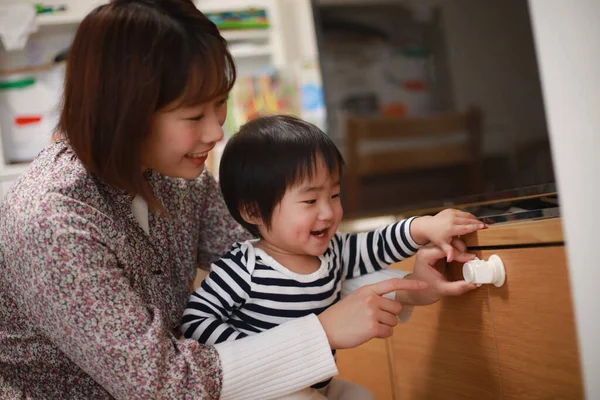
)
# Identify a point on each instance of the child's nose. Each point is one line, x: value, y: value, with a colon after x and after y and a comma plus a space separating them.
x: 326, y: 212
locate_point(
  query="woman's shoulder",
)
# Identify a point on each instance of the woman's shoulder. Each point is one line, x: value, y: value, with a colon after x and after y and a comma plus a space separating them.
x: 55, y: 175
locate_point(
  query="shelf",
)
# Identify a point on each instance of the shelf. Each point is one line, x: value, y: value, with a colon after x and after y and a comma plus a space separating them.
x: 250, y: 51
x: 71, y: 18
x: 245, y: 34
x: 65, y: 18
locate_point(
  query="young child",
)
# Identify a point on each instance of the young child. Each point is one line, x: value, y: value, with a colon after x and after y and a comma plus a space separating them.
x: 280, y: 178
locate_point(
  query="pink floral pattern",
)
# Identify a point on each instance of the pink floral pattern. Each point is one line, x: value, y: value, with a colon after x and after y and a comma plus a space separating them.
x: 90, y: 304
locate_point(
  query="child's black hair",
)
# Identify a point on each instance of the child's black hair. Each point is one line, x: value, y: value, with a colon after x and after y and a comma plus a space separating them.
x: 268, y: 156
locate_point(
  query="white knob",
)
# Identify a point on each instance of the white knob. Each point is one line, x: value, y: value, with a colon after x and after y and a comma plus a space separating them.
x: 479, y: 271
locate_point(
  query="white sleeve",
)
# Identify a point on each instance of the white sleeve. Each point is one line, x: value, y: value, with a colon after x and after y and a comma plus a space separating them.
x: 282, y: 360
x: 350, y: 285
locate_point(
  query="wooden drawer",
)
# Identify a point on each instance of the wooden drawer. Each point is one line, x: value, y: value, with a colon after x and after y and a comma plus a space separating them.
x: 369, y: 366
x: 534, y: 326
x: 447, y: 351
x: 513, y: 342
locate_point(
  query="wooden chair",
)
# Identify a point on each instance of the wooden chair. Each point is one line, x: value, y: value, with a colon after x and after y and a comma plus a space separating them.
x: 408, y: 144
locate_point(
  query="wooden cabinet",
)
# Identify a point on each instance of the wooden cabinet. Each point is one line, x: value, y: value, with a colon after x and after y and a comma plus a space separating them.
x: 534, y: 326
x: 513, y: 342
x: 369, y: 366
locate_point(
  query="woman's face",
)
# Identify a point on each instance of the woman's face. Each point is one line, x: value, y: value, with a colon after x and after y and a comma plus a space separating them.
x: 181, y: 138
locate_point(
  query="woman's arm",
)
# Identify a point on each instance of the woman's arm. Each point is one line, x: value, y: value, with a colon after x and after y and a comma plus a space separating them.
x: 282, y: 360
x: 74, y: 290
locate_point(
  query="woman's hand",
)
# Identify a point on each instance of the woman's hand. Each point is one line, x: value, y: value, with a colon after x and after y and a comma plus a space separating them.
x: 365, y: 314
x: 430, y: 267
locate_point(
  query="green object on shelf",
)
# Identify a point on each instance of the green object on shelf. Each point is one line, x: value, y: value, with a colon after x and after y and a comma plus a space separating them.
x: 17, y: 84
x: 46, y: 9
x: 248, y: 25
x: 243, y: 19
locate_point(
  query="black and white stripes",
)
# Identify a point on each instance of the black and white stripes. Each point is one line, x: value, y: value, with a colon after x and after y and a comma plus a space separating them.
x: 247, y: 291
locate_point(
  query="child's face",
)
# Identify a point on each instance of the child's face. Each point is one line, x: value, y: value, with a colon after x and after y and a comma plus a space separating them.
x: 307, y: 217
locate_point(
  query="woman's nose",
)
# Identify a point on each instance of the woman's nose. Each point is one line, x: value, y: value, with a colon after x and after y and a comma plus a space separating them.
x: 212, y: 131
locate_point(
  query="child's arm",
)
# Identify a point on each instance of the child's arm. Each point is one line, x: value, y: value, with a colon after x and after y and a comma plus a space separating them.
x: 366, y: 252
x: 443, y: 227
x: 224, y: 290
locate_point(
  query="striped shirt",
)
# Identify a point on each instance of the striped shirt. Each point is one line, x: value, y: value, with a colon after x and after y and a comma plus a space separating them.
x: 248, y: 292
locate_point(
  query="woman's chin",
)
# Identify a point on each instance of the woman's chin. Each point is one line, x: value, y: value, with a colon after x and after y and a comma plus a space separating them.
x: 183, y: 173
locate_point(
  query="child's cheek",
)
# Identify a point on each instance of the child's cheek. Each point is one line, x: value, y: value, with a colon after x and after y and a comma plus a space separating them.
x: 299, y: 232
x: 301, y: 229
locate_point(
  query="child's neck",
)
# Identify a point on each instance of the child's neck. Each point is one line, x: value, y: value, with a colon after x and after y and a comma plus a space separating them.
x: 299, y: 263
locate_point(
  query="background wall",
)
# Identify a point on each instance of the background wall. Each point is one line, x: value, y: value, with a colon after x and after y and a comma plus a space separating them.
x: 568, y: 47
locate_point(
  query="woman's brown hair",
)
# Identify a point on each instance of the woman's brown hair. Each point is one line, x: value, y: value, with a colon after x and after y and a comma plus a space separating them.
x: 130, y: 59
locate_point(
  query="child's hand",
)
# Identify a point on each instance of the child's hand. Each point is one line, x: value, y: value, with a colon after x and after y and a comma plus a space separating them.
x: 441, y: 228
x: 365, y: 313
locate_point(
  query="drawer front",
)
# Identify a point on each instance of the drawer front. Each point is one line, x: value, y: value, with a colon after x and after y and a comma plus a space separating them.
x: 534, y: 326
x: 447, y: 351
x: 368, y: 365
x: 513, y: 342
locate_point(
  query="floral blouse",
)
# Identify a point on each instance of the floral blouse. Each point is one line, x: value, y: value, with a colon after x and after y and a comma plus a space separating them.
x: 90, y: 304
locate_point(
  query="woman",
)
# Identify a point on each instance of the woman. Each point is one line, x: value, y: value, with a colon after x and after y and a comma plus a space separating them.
x: 100, y: 239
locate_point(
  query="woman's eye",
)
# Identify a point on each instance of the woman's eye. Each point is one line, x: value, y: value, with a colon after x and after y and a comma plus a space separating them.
x: 310, y: 201
x: 335, y: 196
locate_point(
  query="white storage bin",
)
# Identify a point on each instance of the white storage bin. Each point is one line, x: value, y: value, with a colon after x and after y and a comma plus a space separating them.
x: 28, y: 115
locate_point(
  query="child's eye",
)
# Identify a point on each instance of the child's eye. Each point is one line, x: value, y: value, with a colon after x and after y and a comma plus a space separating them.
x: 196, y: 118
x: 335, y: 196
x: 310, y: 201
x: 223, y: 101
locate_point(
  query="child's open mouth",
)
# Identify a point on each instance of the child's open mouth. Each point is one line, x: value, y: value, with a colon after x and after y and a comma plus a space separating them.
x: 319, y: 234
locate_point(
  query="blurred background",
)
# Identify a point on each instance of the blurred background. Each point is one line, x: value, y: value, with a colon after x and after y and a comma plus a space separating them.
x: 432, y: 102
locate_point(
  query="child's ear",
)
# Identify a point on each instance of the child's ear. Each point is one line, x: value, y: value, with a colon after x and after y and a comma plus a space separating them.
x: 250, y: 215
